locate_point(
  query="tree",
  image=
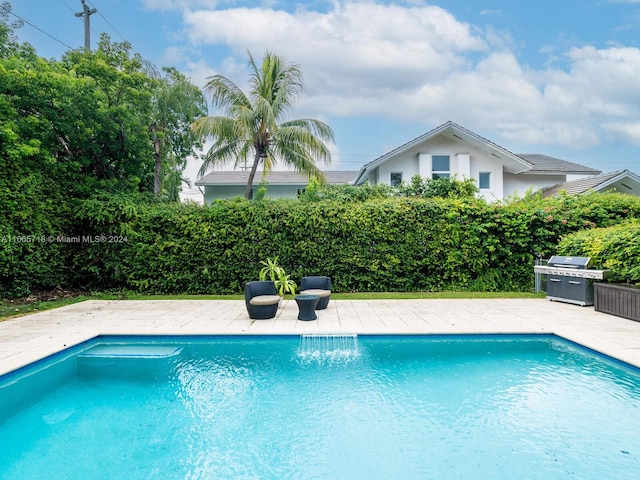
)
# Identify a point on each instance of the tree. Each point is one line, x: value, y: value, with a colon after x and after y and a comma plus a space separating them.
x: 117, y: 114
x: 176, y: 104
x: 71, y: 130
x: 40, y: 115
x: 254, y: 123
x: 8, y: 39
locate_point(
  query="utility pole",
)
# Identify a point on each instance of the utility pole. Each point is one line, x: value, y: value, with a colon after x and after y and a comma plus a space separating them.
x: 86, y: 12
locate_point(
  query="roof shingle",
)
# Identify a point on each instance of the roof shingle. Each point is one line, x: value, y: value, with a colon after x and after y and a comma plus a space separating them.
x: 273, y: 178
x: 546, y: 164
x: 582, y: 185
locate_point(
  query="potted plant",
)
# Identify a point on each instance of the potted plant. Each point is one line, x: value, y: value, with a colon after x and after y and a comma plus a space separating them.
x: 271, y: 270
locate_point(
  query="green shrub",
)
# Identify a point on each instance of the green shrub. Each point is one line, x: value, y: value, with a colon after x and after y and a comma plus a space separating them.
x: 380, y: 244
x: 616, y: 248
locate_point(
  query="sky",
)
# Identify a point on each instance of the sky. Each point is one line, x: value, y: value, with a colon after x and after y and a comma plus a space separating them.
x: 560, y: 78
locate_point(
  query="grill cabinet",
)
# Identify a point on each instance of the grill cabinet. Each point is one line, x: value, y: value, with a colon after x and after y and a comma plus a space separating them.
x: 569, y: 279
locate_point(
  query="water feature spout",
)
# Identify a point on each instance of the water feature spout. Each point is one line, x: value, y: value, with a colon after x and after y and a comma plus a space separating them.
x: 328, y: 347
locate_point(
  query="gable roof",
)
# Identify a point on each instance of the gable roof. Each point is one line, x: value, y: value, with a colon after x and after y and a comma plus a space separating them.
x: 512, y: 162
x: 236, y: 177
x: 622, y: 181
x: 543, y: 164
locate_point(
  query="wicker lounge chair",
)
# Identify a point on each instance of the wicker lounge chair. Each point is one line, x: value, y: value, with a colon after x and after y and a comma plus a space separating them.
x: 261, y: 299
x: 320, y: 286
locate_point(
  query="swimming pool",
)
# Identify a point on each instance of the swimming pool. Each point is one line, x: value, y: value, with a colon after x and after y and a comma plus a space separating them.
x: 371, y: 407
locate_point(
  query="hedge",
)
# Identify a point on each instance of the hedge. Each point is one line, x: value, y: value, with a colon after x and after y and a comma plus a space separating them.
x: 392, y: 244
x: 616, y: 248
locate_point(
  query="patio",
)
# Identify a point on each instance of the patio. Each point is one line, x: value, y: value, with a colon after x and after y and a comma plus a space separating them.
x: 32, y: 337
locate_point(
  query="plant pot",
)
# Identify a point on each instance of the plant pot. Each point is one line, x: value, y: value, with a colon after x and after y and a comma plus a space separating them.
x: 617, y: 299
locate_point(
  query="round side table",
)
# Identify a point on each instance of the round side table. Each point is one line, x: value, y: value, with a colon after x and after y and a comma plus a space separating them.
x: 307, y: 306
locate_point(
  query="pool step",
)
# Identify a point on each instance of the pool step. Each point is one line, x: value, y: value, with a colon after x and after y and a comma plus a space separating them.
x: 131, y: 351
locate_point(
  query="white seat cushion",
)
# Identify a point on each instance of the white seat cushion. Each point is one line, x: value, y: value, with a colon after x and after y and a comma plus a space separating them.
x: 316, y: 291
x: 265, y: 300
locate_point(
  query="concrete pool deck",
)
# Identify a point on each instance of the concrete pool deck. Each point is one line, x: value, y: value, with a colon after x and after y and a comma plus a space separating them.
x: 32, y: 337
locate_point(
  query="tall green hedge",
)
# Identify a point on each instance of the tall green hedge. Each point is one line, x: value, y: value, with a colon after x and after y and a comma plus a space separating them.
x: 616, y: 248
x: 33, y: 212
x: 392, y: 244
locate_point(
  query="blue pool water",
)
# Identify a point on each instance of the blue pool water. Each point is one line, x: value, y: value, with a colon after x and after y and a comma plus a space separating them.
x: 375, y: 407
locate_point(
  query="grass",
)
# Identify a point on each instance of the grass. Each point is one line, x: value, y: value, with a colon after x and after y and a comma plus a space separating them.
x: 19, y: 307
x: 417, y: 295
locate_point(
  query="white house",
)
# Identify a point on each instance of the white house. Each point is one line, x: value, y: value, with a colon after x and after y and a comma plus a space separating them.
x: 280, y: 184
x: 451, y: 150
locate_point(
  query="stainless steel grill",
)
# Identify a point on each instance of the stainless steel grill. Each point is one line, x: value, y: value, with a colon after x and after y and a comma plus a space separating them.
x: 569, y: 279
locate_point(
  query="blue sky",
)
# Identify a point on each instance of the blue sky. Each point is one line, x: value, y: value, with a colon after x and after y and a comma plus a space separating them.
x: 560, y: 78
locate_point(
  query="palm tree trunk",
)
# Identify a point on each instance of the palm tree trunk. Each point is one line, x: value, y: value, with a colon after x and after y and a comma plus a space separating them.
x: 157, y: 170
x: 252, y: 174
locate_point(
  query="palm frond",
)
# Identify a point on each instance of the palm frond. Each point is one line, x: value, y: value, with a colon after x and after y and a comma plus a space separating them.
x: 302, y: 139
x: 225, y: 94
x: 318, y: 128
x: 299, y: 158
x: 254, y: 126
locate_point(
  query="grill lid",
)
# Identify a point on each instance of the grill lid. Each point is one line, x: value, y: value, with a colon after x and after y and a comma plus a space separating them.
x: 569, y: 262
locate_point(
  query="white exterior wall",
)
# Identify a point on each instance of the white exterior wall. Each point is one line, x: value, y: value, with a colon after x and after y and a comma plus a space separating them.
x: 520, y: 184
x: 424, y: 165
x: 494, y: 167
x: 282, y: 191
x: 464, y: 163
x: 407, y: 165
x: 221, y: 192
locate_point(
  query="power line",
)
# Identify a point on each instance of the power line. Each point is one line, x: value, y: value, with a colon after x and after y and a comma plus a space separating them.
x: 41, y: 30
x: 67, y: 5
x: 114, y: 28
x: 109, y: 23
x: 106, y: 20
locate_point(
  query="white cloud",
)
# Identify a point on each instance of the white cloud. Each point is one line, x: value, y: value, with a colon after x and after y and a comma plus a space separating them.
x: 177, y: 4
x: 625, y: 132
x: 368, y: 38
x: 420, y: 63
x: 355, y: 52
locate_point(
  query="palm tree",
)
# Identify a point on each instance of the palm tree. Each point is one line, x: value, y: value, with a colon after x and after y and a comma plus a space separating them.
x: 255, y: 125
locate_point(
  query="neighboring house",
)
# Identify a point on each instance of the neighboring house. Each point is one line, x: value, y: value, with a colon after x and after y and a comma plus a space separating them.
x: 451, y: 150
x: 284, y: 184
x: 622, y: 181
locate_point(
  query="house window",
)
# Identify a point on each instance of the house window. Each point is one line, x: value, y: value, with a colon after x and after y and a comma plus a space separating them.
x: 440, y: 166
x: 484, y: 180
x: 396, y: 179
